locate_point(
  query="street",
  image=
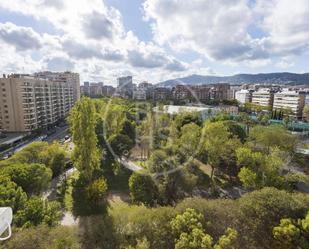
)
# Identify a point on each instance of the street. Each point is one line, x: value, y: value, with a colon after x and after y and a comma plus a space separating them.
x: 59, y: 134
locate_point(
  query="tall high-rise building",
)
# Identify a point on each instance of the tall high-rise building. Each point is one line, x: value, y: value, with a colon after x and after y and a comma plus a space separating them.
x: 65, y: 77
x: 125, y: 86
x: 29, y: 103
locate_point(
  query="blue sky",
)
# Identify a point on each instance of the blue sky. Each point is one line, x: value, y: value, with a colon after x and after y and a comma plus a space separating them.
x: 154, y: 40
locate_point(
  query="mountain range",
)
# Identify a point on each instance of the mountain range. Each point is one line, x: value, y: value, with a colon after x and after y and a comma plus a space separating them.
x: 263, y: 78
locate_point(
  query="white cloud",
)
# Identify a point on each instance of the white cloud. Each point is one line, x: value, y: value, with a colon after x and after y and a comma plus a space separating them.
x: 217, y: 29
x: 21, y: 37
x: 285, y: 64
x: 287, y: 25
x: 90, y: 37
x: 222, y: 29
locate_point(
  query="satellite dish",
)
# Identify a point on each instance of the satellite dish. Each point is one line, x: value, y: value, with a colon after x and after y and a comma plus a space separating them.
x: 6, y: 216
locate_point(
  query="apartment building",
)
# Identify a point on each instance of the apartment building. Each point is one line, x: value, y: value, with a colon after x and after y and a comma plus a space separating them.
x: 290, y: 100
x: 63, y: 77
x: 243, y: 96
x: 125, y: 86
x: 183, y: 92
x: 28, y: 103
x: 161, y: 93
x: 263, y: 97
x: 202, y: 92
x: 220, y: 91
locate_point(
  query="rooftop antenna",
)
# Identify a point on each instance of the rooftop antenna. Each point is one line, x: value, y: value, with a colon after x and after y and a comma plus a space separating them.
x: 6, y: 216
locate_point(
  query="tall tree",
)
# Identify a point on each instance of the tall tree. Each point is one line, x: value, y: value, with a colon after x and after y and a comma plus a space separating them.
x: 33, y: 178
x: 86, y: 155
x: 268, y: 137
x: 306, y: 112
x: 190, y: 234
x: 219, y: 145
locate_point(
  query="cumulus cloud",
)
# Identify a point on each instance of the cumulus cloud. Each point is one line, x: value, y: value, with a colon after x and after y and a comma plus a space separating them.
x: 112, y: 55
x: 222, y: 30
x: 79, y: 50
x: 97, y: 26
x: 217, y: 29
x: 89, y: 36
x: 53, y: 3
x: 175, y: 65
x: 147, y: 60
x: 59, y: 64
x: 21, y: 37
x: 287, y: 25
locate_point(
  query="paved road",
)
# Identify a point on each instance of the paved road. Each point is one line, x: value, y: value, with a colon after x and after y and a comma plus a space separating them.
x: 51, y: 193
x: 60, y: 133
x: 130, y: 165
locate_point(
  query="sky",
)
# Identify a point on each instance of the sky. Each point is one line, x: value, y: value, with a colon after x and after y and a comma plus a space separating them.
x: 154, y: 40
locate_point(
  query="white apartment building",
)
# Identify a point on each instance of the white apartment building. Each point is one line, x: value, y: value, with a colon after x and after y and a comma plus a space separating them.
x: 263, y: 97
x: 139, y: 94
x: 290, y: 100
x: 243, y: 96
x: 28, y: 103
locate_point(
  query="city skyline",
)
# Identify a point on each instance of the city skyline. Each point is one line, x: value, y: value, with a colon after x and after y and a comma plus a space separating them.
x: 153, y: 39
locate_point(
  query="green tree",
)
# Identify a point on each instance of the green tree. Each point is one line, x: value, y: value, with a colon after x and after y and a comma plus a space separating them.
x: 30, y: 154
x: 190, y: 233
x: 11, y: 195
x: 86, y: 155
x: 306, y: 112
x: 33, y: 178
x: 54, y: 157
x: 38, y: 211
x: 235, y: 129
x: 219, y: 145
x: 227, y: 241
x: 96, y: 191
x: 292, y: 234
x: 187, y: 118
x: 157, y: 161
x: 129, y: 129
x: 267, y: 137
x: 44, y: 237
x: 121, y: 144
x: 189, y: 141
x: 142, y: 189
x: 259, y: 170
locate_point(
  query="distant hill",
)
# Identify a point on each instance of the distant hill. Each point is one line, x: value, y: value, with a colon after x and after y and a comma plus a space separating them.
x: 277, y: 78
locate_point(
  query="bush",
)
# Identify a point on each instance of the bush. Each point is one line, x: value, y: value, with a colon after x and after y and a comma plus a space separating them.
x: 96, y: 191
x: 38, y: 211
x: 143, y: 189
x: 43, y: 237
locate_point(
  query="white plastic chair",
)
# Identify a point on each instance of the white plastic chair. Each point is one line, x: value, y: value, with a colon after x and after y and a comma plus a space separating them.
x: 6, y: 216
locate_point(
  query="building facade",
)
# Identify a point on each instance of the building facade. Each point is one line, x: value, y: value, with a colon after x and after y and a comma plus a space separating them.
x: 263, y: 97
x: 29, y: 103
x: 243, y: 96
x: 125, y: 86
x: 202, y: 92
x: 63, y: 77
x: 292, y: 101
